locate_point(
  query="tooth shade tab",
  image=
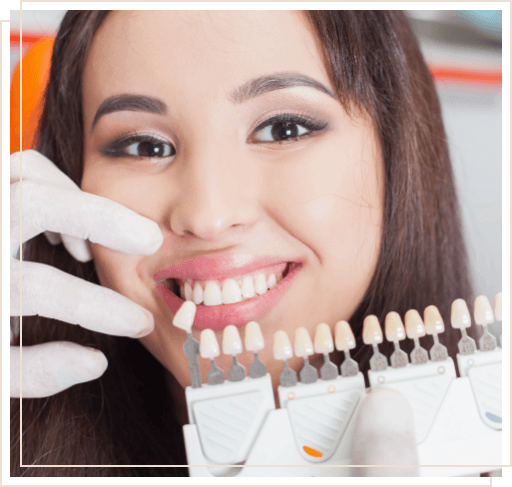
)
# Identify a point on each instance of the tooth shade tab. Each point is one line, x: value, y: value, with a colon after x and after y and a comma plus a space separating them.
x: 344, y: 337
x: 253, y: 337
x: 394, y: 327
x: 184, y: 318
x: 209, y: 347
x: 231, y: 292
x: 323, y: 339
x: 231, y: 342
x: 372, y: 332
x: 212, y: 294
x: 434, y: 324
x: 303, y: 343
x: 497, y: 306
x: 460, y: 314
x: 414, y: 324
x: 282, y: 346
x: 483, y: 311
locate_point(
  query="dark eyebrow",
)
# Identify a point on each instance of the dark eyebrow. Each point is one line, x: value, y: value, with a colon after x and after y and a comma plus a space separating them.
x: 278, y: 81
x: 130, y: 102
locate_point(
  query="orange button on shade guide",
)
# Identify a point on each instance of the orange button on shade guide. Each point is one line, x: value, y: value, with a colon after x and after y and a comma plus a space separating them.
x: 36, y: 71
x: 310, y: 451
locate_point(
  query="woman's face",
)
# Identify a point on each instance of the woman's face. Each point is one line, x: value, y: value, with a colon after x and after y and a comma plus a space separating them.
x: 232, y: 141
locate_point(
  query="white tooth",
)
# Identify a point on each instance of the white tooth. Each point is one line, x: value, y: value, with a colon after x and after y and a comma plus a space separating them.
x: 483, y: 311
x: 182, y: 291
x: 253, y: 338
x: 497, y: 306
x: 231, y: 292
x: 272, y: 281
x: 279, y: 277
x: 303, y: 344
x: 260, y: 286
x: 231, y: 341
x: 184, y: 318
x: 323, y: 339
x: 248, y: 288
x: 212, y: 294
x: 282, y: 346
x: 209, y: 347
x: 188, y: 291
x: 198, y: 294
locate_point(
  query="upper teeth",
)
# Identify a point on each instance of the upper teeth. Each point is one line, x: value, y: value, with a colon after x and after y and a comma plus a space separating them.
x: 213, y: 293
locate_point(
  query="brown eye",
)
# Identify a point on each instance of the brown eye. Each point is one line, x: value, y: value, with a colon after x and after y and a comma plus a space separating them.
x: 150, y: 148
x: 282, y: 128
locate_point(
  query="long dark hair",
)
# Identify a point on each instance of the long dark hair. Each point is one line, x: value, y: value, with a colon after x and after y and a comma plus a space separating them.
x: 126, y: 417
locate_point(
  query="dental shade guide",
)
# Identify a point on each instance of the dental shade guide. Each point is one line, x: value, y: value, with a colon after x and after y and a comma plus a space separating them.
x: 457, y: 419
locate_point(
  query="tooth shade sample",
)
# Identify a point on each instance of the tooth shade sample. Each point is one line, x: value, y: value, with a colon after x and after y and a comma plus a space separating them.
x: 187, y: 289
x: 231, y: 292
x: 372, y: 332
x: 184, y: 318
x: 248, y: 288
x: 433, y: 322
x: 231, y: 341
x: 272, y: 281
x: 414, y: 324
x: 303, y: 344
x: 253, y: 338
x: 198, y: 294
x: 483, y: 311
x: 497, y: 306
x: 460, y: 314
x: 343, y: 336
x: 395, y: 331
x: 282, y: 346
x: 323, y: 339
x: 212, y: 294
x: 260, y: 286
x: 209, y: 345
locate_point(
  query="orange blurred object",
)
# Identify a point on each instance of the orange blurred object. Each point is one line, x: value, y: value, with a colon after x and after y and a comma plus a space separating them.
x: 36, y: 71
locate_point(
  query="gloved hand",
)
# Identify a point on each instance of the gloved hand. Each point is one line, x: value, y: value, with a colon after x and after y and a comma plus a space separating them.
x: 385, y: 435
x: 52, y: 202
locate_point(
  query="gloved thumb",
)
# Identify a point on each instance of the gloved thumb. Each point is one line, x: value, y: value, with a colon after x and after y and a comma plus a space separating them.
x: 385, y: 435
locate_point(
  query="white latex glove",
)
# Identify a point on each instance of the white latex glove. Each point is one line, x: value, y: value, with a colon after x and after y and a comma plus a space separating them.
x: 52, y: 202
x: 385, y: 435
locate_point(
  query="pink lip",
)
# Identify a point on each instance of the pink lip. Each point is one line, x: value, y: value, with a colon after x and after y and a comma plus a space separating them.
x: 220, y: 267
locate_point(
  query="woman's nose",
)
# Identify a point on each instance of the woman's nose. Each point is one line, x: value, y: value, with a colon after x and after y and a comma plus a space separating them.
x: 216, y: 201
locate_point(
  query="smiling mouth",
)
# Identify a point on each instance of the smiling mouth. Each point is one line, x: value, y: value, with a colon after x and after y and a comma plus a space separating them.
x: 218, y: 292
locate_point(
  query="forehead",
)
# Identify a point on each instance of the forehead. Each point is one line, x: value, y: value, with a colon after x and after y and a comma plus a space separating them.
x: 201, y: 50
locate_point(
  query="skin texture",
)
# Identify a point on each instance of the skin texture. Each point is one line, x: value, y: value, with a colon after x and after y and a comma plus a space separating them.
x: 318, y: 198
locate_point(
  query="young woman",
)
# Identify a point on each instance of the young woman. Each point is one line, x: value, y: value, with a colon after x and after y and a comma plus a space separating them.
x: 307, y: 145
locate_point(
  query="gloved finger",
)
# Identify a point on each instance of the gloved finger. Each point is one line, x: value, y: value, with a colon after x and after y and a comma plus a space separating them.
x: 81, y: 215
x: 77, y: 247
x: 33, y: 166
x: 51, y: 367
x: 52, y: 293
x: 53, y: 238
x: 385, y: 435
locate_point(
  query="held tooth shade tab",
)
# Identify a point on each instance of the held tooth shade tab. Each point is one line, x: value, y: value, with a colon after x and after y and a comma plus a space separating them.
x: 483, y: 317
x: 210, y: 349
x: 232, y: 345
x: 372, y: 335
x: 304, y: 348
x: 497, y: 311
x: 415, y: 329
x: 395, y: 332
x: 345, y: 341
x: 433, y: 325
x: 184, y: 318
x: 324, y: 344
x: 283, y: 351
x: 254, y: 343
x: 461, y: 319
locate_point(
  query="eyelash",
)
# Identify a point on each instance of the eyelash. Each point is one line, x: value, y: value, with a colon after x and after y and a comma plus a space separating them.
x: 117, y: 148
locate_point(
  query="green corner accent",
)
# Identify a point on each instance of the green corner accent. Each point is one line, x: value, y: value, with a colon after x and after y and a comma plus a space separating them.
x: 5, y: 253
x: 506, y: 230
x: 7, y: 6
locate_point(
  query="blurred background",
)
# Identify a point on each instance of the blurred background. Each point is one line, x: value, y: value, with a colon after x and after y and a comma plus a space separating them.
x: 464, y: 51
